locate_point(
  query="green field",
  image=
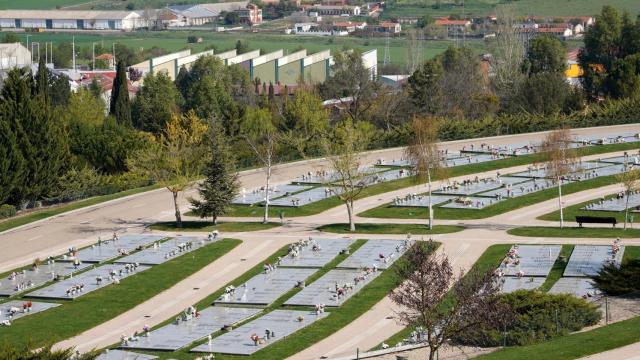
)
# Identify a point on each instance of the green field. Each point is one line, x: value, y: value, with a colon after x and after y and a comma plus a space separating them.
x: 177, y: 39
x: 575, y: 232
x: 93, y: 4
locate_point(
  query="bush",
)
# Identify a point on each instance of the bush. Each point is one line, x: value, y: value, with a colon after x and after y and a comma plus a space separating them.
x: 623, y: 280
x: 538, y: 317
x: 7, y: 211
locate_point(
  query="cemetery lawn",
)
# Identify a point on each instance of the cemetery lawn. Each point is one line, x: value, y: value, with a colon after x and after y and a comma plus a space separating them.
x: 574, y: 232
x: 490, y: 259
x: 205, y: 226
x: 95, y: 308
x: 415, y: 229
x: 558, y: 268
x: 570, y: 212
x: 387, y: 211
x: 576, y: 345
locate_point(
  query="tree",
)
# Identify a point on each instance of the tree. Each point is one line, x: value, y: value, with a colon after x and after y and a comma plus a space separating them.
x: 544, y: 93
x: 424, y: 154
x: 546, y: 54
x: 221, y: 183
x: 304, y: 122
x: 11, y: 161
x: 242, y: 46
x: 12, y: 351
x: 10, y: 38
x: 175, y: 158
x: 262, y: 136
x: 120, y: 106
x: 343, y: 152
x: 42, y: 81
x: 231, y: 18
x: 429, y: 280
x: 59, y: 89
x: 630, y: 179
x: 624, y: 77
x: 619, y: 280
x: 424, y: 87
x: 155, y: 103
x: 352, y: 84
x: 559, y: 160
x: 62, y: 55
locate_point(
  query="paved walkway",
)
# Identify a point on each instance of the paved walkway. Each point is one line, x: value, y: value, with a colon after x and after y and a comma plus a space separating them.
x: 133, y: 214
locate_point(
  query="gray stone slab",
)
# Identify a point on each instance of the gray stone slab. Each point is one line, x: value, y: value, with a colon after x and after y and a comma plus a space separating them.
x: 532, y: 260
x: 471, y: 202
x: 631, y: 159
x: 422, y: 200
x: 108, y: 249
x: 28, y: 279
x: 615, y: 204
x: 258, y: 195
x: 379, y: 253
x: 469, y: 188
x: 587, y: 260
x: 395, y: 163
x: 166, y: 250
x: 327, y: 176
x: 304, y: 254
x: 520, y: 189
x: 469, y: 158
x: 281, y: 322
x: 510, y: 284
x: 263, y: 289
x: 386, y: 176
x: 325, y: 290
x: 124, y: 355
x: 13, y: 310
x: 307, y: 197
x: 579, y: 287
x: 86, y: 279
x: 177, y: 335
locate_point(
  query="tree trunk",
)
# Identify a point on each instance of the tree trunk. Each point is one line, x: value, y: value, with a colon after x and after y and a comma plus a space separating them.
x: 215, y: 220
x: 560, y: 202
x: 430, y: 203
x: 626, y: 211
x: 432, y: 353
x: 265, y: 219
x: 352, y: 225
x: 177, y: 208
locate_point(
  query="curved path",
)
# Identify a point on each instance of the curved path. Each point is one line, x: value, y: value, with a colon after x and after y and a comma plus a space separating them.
x: 134, y: 213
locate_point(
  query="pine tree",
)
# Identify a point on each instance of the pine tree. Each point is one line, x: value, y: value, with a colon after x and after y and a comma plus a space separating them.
x: 221, y: 184
x: 120, y: 106
x: 42, y: 80
x: 11, y: 162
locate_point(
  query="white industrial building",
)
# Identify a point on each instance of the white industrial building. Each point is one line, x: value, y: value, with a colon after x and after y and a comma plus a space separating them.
x: 76, y: 19
x: 14, y: 55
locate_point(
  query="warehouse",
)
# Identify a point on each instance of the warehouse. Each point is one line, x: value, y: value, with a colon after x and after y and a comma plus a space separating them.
x: 76, y: 19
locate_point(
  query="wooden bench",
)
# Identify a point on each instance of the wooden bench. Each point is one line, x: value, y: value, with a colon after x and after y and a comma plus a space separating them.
x: 596, y: 220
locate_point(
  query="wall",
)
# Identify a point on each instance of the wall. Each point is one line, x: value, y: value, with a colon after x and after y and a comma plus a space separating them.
x: 316, y: 72
x: 265, y: 72
x: 290, y: 73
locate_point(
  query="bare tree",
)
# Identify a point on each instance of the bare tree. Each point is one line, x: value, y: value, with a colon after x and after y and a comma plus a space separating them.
x: 429, y: 281
x: 343, y: 151
x: 560, y: 160
x: 414, y: 50
x: 630, y: 179
x: 424, y: 154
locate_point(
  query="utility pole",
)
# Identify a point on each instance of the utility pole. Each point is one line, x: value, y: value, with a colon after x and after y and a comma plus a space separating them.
x: 113, y: 50
x: 73, y: 50
x: 387, y: 55
x: 31, y: 58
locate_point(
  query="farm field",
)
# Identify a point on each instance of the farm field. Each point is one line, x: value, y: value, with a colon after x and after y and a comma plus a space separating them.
x: 92, y: 4
x: 177, y: 40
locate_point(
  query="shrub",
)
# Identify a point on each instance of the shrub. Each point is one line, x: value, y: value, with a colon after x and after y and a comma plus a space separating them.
x: 623, y: 280
x: 538, y: 317
x: 7, y: 211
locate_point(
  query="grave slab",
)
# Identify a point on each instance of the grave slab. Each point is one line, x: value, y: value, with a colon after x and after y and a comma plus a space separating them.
x: 368, y: 254
x: 535, y: 260
x: 177, y: 335
x: 58, y: 290
x: 281, y: 322
x: 579, y: 287
x: 36, y: 307
x: 109, y: 249
x: 124, y: 355
x: 258, y: 195
x: 615, y: 204
x: 307, y: 257
x: 421, y: 200
x: 471, y: 202
x: 323, y: 290
x: 166, y: 251
x: 307, y: 197
x: 587, y: 260
x: 263, y: 289
x: 29, y: 279
x: 510, y: 284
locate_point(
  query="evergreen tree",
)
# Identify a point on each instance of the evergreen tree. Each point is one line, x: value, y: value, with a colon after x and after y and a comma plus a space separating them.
x: 221, y: 183
x: 42, y: 81
x: 11, y: 162
x: 120, y: 106
x: 59, y: 89
x: 155, y: 103
x: 182, y: 81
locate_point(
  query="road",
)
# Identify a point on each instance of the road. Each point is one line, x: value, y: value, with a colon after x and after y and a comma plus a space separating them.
x: 134, y: 213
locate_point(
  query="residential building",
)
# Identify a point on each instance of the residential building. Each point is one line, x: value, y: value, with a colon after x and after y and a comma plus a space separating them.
x: 335, y: 10
x: 14, y: 55
x: 251, y: 14
x: 217, y: 8
x: 562, y: 32
x: 454, y: 27
x: 72, y: 19
x: 349, y: 26
x: 387, y: 27
x: 192, y: 15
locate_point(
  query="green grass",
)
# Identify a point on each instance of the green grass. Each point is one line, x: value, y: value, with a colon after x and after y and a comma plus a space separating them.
x: 572, y: 211
x: 575, y: 345
x: 631, y: 252
x: 43, y: 214
x: 489, y: 260
x: 92, y: 309
x: 388, y: 211
x: 416, y: 229
x: 574, y: 232
x: 207, y: 226
x: 558, y: 268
